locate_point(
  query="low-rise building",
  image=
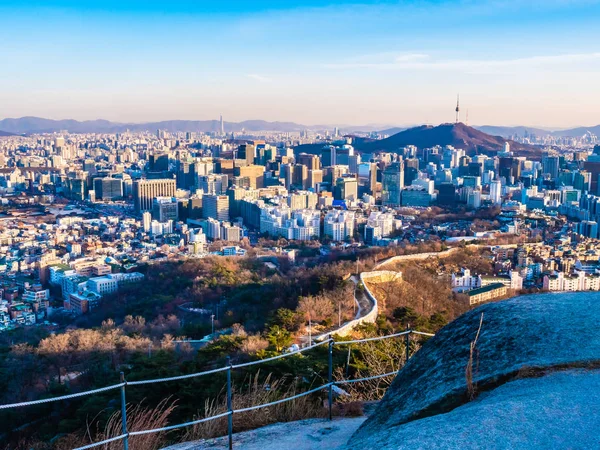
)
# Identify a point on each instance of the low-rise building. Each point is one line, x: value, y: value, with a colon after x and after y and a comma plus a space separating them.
x: 486, y: 293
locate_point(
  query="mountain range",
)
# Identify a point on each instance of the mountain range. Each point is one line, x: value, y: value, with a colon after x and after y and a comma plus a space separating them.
x: 30, y: 125
x: 522, y: 131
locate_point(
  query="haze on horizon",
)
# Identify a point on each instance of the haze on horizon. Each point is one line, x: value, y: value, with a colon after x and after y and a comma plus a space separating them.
x: 514, y: 62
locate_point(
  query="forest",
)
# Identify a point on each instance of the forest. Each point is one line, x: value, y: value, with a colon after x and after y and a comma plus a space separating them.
x: 261, y: 312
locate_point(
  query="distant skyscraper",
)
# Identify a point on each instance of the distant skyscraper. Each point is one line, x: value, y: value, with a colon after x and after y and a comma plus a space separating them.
x: 147, y: 221
x: 215, y: 207
x: 550, y: 166
x: 496, y: 192
x: 346, y: 188
x: 328, y: 156
x: 392, y: 183
x: 222, y: 126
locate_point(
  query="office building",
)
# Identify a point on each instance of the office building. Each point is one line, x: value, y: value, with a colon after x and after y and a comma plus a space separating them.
x: 392, y: 183
x: 165, y: 209
x: 108, y: 189
x: 145, y: 191
x: 215, y: 207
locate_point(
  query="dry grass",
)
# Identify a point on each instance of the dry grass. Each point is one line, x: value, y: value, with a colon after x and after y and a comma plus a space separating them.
x: 373, y: 358
x: 139, y: 417
x: 254, y: 393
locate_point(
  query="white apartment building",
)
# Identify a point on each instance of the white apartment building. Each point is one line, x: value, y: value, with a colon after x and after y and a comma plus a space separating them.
x: 464, y: 281
x: 579, y: 281
x: 338, y: 225
x: 110, y: 283
x: 102, y: 285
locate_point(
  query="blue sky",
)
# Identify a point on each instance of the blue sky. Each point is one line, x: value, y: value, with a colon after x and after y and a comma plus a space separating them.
x: 513, y: 61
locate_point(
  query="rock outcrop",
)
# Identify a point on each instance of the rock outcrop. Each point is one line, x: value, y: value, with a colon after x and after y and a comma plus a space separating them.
x: 520, y: 338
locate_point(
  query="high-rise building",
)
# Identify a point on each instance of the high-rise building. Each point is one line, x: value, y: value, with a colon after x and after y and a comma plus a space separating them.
x: 510, y: 169
x: 108, y: 189
x: 246, y: 152
x: 313, y: 162
x: 582, y: 180
x: 353, y: 163
x: 213, y: 183
x: 588, y: 228
x: 314, y: 178
x: 496, y: 192
x: 328, y: 156
x: 346, y: 188
x: 186, y: 175
x: 215, y: 207
x: 550, y: 166
x: 446, y: 194
x: 367, y: 178
x: 392, y: 183
x: 343, y: 154
x: 165, y: 209
x: 300, y: 177
x: 145, y: 191
x: 158, y: 162
x: 254, y: 173
x: 147, y: 221
x: 287, y: 173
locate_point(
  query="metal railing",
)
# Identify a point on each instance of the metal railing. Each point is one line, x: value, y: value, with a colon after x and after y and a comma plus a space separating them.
x: 125, y: 434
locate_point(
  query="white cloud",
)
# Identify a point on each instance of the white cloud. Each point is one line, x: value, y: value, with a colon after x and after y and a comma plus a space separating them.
x: 259, y: 78
x: 426, y: 62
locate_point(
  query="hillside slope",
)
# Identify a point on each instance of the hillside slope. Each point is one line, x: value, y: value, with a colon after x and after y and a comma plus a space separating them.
x: 457, y: 135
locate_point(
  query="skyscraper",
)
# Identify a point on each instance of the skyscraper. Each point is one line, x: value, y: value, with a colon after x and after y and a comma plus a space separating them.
x: 215, y: 207
x: 392, y: 183
x: 550, y: 166
x: 147, y: 221
x: 346, y: 188
x: 496, y: 192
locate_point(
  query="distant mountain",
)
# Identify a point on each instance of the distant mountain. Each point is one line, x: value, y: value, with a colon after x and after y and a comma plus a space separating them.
x: 522, y: 130
x: 6, y: 133
x: 394, y: 130
x: 579, y: 131
x: 512, y: 131
x: 30, y: 125
x: 40, y: 125
x: 458, y: 135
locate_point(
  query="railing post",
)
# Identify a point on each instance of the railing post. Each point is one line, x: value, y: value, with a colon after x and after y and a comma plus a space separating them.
x: 348, y: 360
x: 229, y: 405
x: 124, y: 414
x: 330, y: 378
x: 407, y: 342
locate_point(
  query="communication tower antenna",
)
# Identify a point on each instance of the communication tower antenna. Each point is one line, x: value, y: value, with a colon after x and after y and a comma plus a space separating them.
x: 457, y: 107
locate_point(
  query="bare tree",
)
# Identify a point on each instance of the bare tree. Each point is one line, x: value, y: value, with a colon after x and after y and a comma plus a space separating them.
x: 473, y: 351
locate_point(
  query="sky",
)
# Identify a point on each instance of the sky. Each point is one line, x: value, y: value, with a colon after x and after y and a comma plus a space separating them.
x: 513, y: 62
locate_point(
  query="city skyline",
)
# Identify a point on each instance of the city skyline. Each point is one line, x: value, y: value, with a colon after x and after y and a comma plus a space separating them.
x: 345, y: 63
